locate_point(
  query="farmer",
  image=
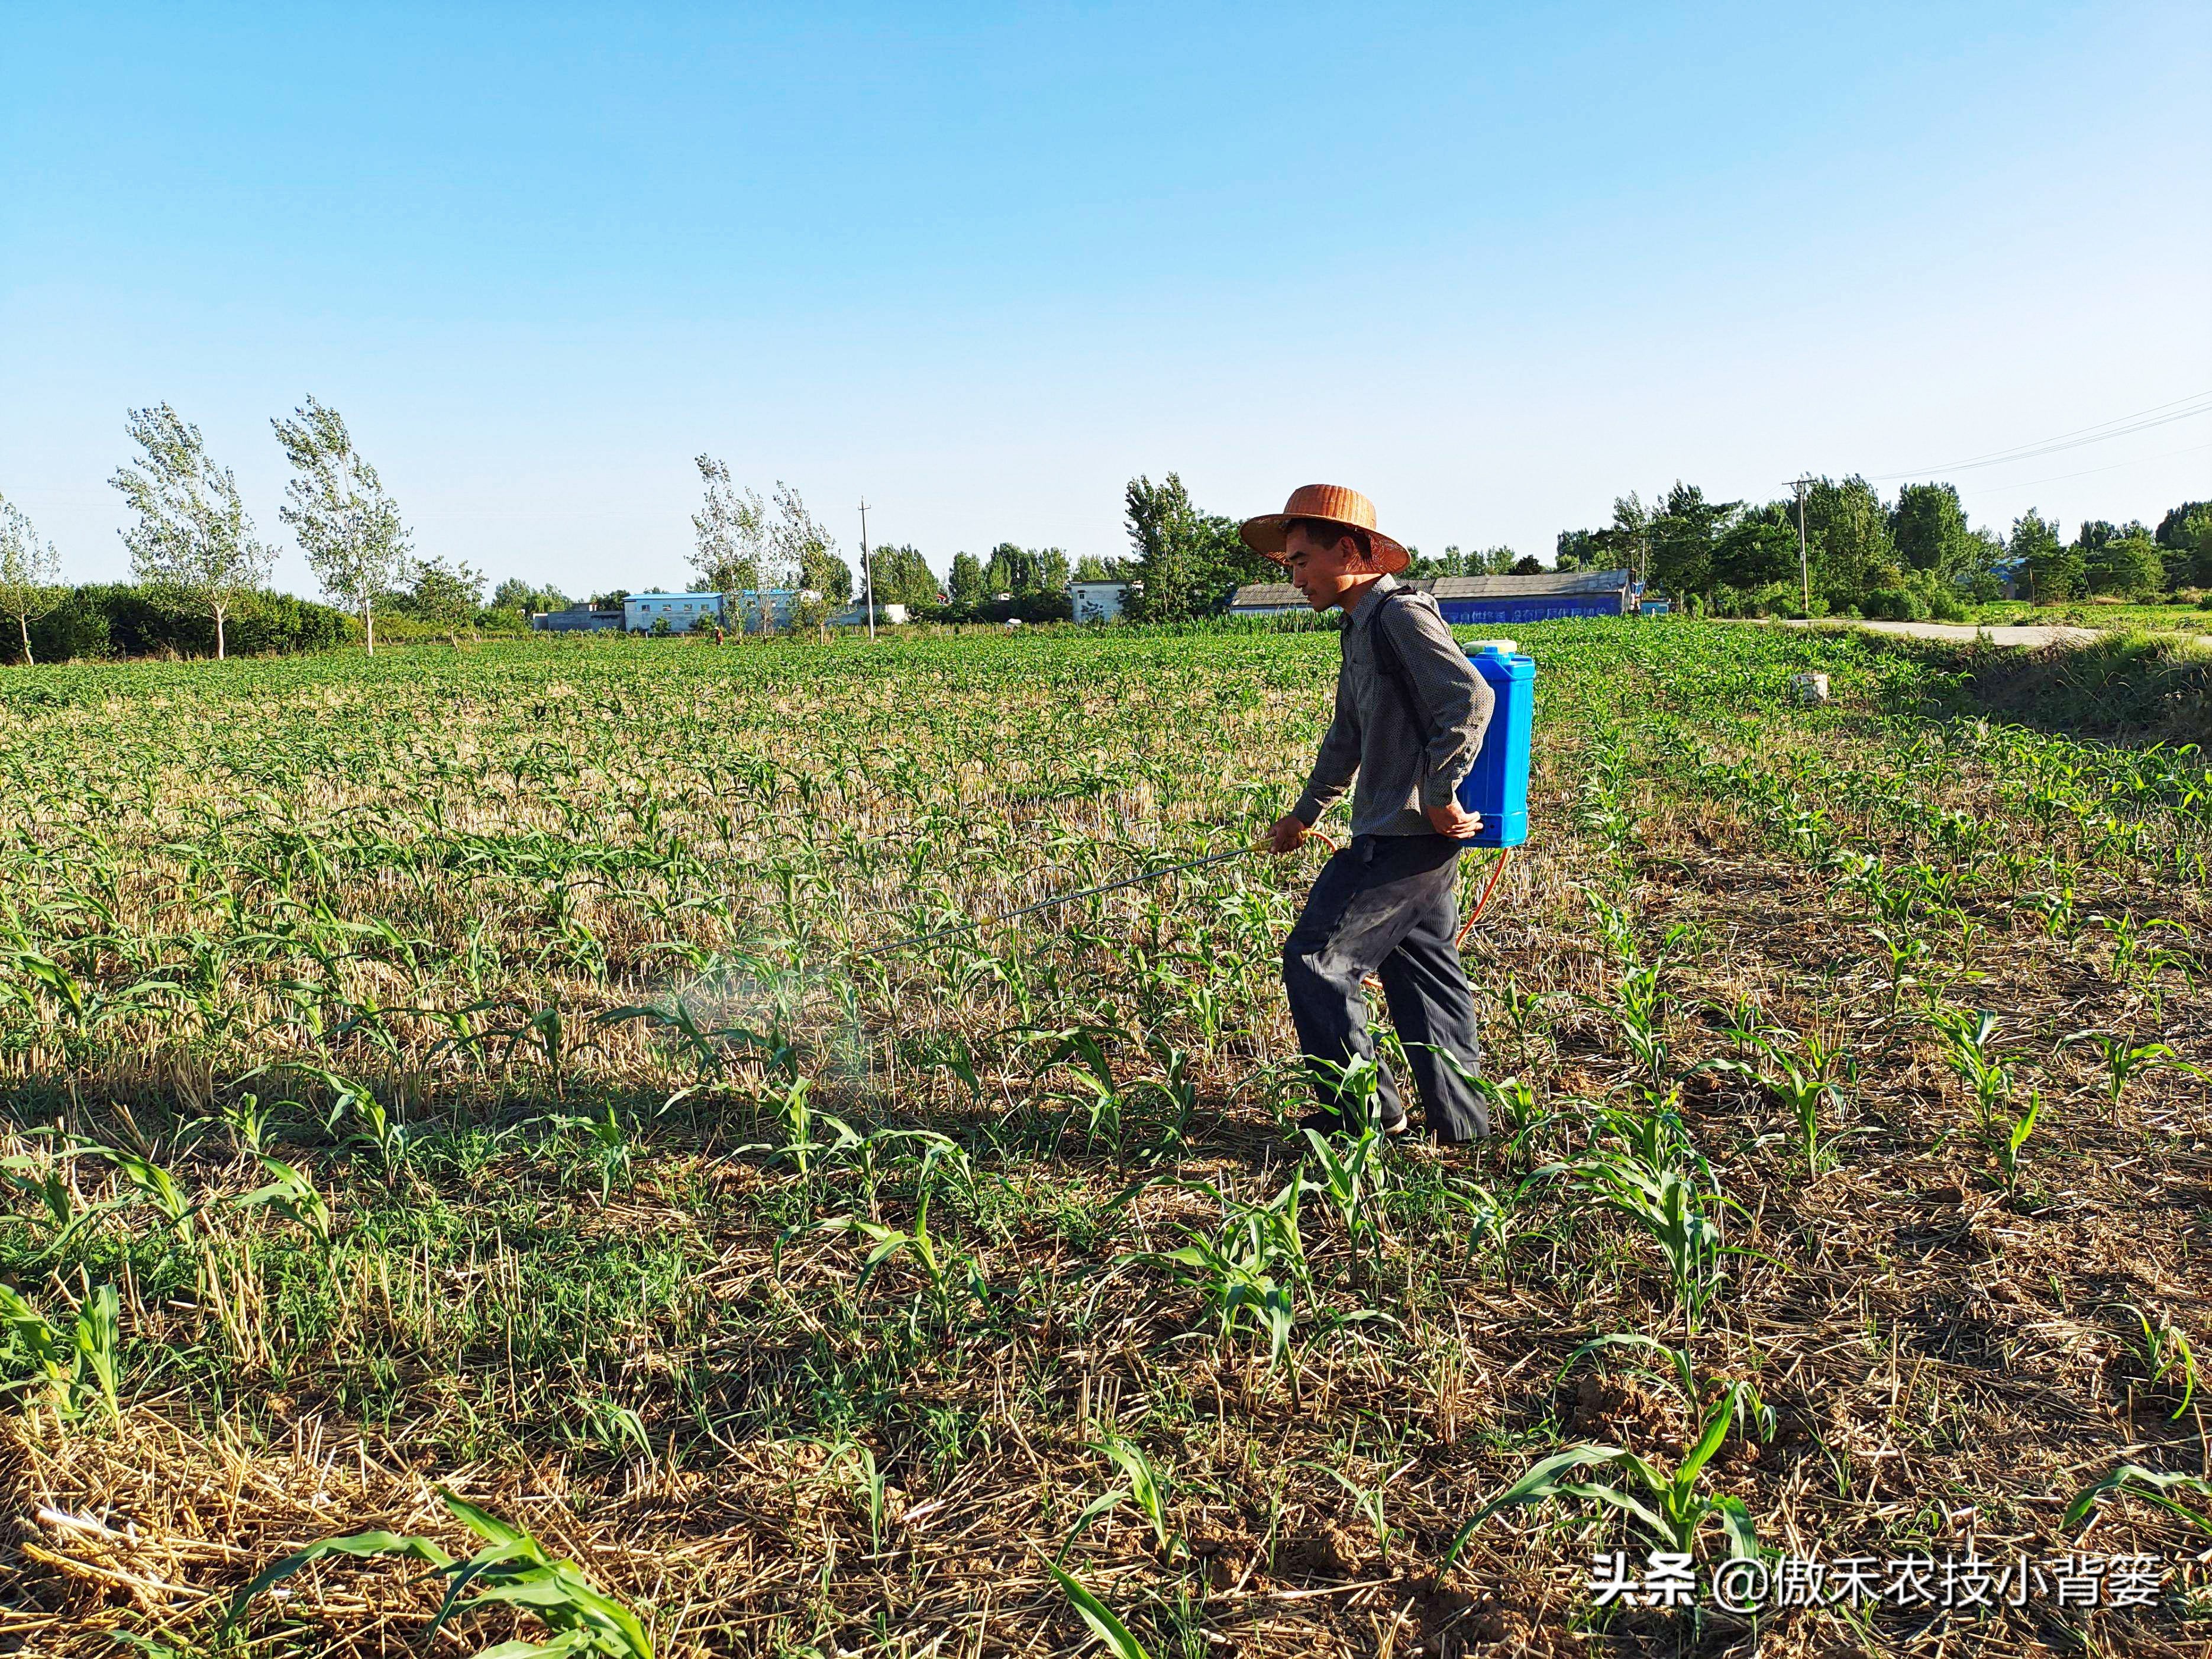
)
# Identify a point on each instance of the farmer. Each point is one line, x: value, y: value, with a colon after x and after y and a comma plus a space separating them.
x: 1410, y: 715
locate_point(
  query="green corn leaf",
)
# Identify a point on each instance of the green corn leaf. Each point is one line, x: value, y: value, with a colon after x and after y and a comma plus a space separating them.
x: 1736, y: 1522
x: 1716, y: 1423
x: 359, y: 1543
x: 1538, y: 1484
x: 1099, y: 1617
x: 1098, y: 1506
x: 2152, y: 1486
x: 1659, y: 1526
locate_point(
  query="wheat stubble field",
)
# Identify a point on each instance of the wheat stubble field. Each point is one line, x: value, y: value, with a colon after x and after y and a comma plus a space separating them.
x: 453, y: 1072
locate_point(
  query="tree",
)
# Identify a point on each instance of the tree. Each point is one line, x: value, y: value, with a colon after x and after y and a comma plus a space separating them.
x: 1188, y: 560
x: 1625, y: 543
x: 1092, y: 568
x: 1527, y: 565
x: 903, y: 577
x: 1755, y: 551
x: 2172, y: 531
x: 732, y: 530
x: 192, y: 534
x: 2128, y: 566
x: 516, y: 594
x: 802, y: 554
x: 965, y: 585
x: 1848, y: 541
x: 30, y: 571
x: 2095, y: 533
x: 2054, y: 570
x: 1021, y: 571
x: 1682, y: 533
x: 344, y: 521
x: 444, y: 592
x: 1929, y: 529
x: 1574, y: 551
x: 2196, y: 534
x: 1988, y: 563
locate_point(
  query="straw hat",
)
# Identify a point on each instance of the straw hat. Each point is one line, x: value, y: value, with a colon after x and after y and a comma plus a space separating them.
x: 1331, y: 504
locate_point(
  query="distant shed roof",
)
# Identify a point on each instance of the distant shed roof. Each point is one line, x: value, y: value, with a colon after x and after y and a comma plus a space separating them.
x: 1549, y: 583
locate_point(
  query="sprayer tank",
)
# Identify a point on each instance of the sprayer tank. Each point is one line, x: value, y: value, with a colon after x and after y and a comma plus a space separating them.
x: 1498, y: 788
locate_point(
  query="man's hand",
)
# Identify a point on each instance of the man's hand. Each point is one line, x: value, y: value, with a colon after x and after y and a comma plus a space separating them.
x: 1455, y: 821
x: 1287, y: 834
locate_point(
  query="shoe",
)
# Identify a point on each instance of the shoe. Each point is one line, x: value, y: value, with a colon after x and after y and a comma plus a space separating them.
x: 1326, y: 1123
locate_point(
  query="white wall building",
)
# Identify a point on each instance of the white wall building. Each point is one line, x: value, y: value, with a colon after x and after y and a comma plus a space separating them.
x: 731, y: 611
x: 1100, y: 601
x: 679, y: 611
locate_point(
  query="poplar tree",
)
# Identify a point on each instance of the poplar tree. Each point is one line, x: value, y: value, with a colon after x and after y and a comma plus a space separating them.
x: 803, y: 554
x: 192, y: 534
x: 30, y: 572
x: 337, y: 508
x: 731, y: 528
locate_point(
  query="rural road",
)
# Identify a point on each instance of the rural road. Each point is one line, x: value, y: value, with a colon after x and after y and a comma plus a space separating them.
x: 1966, y: 634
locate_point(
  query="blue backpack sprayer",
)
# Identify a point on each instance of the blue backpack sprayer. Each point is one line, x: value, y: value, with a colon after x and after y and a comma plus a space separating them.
x: 1496, y: 791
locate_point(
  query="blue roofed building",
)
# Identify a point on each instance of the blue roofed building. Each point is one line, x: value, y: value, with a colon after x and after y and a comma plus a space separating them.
x: 1482, y: 601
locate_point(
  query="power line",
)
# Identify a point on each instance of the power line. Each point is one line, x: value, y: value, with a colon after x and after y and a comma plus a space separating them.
x: 2138, y: 460
x: 2200, y: 403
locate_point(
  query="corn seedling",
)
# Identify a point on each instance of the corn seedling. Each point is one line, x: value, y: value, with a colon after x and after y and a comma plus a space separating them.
x: 1348, y: 1179
x: 153, y: 1185
x: 937, y: 1264
x: 1367, y: 1499
x: 512, y: 1569
x: 1667, y: 1505
x: 2008, y: 1144
x: 2165, y: 1352
x: 1142, y: 1486
x: 1755, y: 1417
x: 2125, y: 1060
x: 855, y: 1458
x: 48, y: 1186
x: 248, y: 1123
x: 373, y: 1125
x: 292, y: 1196
x: 1110, y: 1633
x: 2153, y: 1486
x: 1669, y: 1206
x: 79, y: 1364
x: 1246, y: 1270
x: 1967, y: 1050
x: 605, y: 1141
x: 1801, y: 1081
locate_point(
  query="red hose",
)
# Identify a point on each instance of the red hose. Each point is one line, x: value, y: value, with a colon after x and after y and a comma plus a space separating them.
x: 1497, y: 869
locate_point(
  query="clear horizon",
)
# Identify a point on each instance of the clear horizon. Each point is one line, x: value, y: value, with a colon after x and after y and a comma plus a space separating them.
x: 984, y: 266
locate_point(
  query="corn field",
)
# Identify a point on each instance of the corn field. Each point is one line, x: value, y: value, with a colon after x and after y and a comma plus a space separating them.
x: 467, y: 1182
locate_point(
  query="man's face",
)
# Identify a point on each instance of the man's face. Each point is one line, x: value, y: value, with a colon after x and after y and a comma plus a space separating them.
x: 1323, y: 572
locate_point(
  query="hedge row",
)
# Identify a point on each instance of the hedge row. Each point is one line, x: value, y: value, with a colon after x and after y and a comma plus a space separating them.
x: 123, y: 619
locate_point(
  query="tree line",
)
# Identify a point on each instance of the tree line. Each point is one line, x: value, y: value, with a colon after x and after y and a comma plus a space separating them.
x: 201, y: 569
x: 746, y: 543
x: 1909, y: 558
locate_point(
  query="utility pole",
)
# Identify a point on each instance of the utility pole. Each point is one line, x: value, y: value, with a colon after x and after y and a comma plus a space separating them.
x: 1804, y: 568
x: 867, y: 571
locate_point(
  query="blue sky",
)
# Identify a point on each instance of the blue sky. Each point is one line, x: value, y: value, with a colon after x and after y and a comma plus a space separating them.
x: 1491, y: 264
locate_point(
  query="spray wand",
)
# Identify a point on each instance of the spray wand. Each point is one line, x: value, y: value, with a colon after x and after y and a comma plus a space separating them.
x: 1497, y: 869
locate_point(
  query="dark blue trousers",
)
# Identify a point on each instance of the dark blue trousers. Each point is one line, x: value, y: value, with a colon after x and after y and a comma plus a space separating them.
x: 1387, y: 905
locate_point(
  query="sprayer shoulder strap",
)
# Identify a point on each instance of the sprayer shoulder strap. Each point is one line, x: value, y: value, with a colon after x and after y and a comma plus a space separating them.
x: 1393, y: 666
